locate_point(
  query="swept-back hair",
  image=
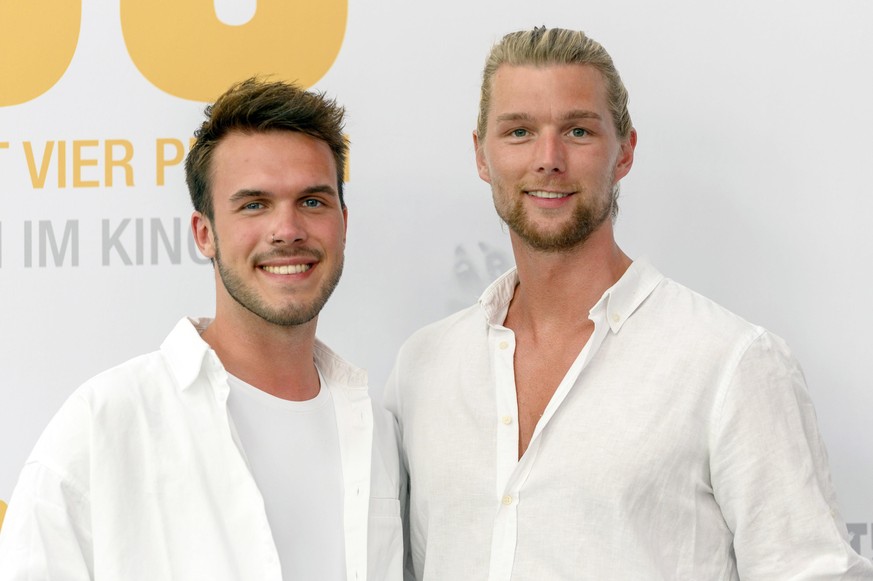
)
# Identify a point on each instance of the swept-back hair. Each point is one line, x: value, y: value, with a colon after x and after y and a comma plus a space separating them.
x: 542, y: 47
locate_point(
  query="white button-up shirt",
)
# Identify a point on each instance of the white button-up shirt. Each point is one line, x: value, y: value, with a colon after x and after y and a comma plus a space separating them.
x: 681, y: 444
x: 140, y: 476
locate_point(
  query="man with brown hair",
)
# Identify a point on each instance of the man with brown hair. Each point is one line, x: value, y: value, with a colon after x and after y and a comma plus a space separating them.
x: 590, y: 418
x: 244, y: 448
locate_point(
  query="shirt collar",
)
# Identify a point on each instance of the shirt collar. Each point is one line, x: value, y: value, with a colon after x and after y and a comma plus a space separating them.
x: 188, y: 355
x: 186, y: 352
x: 336, y: 370
x: 622, y: 299
x: 495, y: 300
x: 618, y: 302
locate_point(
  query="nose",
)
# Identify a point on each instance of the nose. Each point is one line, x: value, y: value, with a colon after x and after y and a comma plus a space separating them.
x: 550, y: 154
x: 287, y: 226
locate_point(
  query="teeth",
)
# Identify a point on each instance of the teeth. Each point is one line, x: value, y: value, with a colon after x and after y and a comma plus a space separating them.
x: 547, y: 195
x: 288, y: 268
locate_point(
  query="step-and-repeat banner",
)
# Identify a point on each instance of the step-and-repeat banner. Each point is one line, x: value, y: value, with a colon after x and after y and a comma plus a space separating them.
x: 752, y: 181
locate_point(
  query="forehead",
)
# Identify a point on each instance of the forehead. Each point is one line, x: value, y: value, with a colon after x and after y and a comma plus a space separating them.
x: 241, y: 156
x: 524, y: 88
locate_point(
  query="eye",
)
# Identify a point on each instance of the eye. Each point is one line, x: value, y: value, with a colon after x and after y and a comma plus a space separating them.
x: 578, y: 132
x: 312, y: 203
x: 253, y: 206
x: 519, y: 133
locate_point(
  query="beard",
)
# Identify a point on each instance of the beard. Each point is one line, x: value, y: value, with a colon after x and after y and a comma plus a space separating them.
x: 587, y: 217
x: 288, y: 315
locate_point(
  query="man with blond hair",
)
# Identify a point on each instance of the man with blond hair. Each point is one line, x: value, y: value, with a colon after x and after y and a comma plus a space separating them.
x: 244, y: 449
x: 590, y: 418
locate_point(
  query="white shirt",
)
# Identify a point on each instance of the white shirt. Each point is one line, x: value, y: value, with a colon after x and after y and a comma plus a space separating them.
x: 140, y: 477
x: 681, y: 445
x: 292, y: 448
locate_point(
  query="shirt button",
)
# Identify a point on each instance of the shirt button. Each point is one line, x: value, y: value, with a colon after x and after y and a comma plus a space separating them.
x: 506, y: 420
x: 506, y: 500
x: 616, y: 318
x: 503, y: 345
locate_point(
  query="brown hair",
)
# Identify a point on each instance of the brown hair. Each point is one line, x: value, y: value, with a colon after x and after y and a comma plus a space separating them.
x: 256, y: 105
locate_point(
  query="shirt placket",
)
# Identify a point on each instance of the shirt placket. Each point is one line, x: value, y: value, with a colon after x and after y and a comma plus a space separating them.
x: 512, y: 472
x: 504, y: 533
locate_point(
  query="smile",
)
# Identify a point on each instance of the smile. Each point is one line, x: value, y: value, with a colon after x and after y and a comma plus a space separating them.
x: 547, y: 195
x: 287, y: 268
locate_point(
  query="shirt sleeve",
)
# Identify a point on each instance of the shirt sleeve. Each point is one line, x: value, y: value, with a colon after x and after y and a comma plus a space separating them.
x: 770, y: 474
x: 47, y: 531
x: 391, y: 402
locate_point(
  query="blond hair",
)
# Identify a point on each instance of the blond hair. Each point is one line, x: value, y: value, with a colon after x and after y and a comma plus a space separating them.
x: 555, y: 46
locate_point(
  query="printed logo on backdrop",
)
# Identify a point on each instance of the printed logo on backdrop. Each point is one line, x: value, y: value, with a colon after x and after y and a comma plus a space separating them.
x: 168, y: 40
x: 37, y: 41
x: 182, y: 48
x: 860, y: 537
x: 474, y: 268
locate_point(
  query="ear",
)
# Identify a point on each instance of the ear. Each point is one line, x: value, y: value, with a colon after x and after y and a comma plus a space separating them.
x: 201, y: 228
x: 625, y: 156
x: 345, y: 223
x: 481, y: 162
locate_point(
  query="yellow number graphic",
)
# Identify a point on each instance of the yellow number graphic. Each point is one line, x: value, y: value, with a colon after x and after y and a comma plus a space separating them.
x: 182, y: 48
x: 37, y: 41
x: 2, y: 512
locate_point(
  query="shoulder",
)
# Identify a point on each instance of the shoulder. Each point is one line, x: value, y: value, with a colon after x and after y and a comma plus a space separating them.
x: 675, y: 306
x: 744, y: 352
x: 689, y: 334
x: 64, y: 447
x: 433, y: 356
x: 446, y: 333
x: 108, y: 401
x: 127, y: 383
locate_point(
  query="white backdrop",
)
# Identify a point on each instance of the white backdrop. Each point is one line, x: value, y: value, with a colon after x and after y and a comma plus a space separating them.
x: 751, y: 185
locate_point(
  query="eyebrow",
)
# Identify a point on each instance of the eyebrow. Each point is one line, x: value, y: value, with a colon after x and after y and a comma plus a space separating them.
x: 568, y: 116
x: 247, y: 194
x: 581, y: 114
x: 514, y: 117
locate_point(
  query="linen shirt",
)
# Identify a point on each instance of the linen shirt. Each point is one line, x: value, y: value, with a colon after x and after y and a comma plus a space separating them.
x: 140, y: 476
x: 680, y: 445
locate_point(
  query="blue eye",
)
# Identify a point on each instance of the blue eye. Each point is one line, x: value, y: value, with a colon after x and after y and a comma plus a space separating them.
x: 519, y: 132
x: 578, y: 132
x: 311, y: 203
x: 253, y: 206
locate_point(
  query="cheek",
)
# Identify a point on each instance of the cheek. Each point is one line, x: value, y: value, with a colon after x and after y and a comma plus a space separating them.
x: 238, y: 242
x: 502, y: 170
x: 501, y: 163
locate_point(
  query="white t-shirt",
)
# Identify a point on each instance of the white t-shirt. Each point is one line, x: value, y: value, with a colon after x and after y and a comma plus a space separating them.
x: 292, y: 448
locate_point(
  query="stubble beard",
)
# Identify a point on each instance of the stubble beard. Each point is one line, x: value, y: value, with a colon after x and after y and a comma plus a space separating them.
x: 289, y: 315
x: 586, y: 218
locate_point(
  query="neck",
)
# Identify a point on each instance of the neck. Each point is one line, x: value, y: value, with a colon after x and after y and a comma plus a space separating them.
x: 273, y: 358
x: 557, y: 287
